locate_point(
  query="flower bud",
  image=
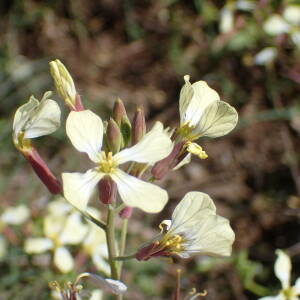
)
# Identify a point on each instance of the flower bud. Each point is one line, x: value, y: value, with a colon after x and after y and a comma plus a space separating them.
x: 162, y: 167
x: 120, y: 116
x: 64, y: 83
x: 107, y: 190
x: 126, y: 212
x: 42, y: 170
x: 119, y: 111
x: 138, y: 125
x: 114, y: 136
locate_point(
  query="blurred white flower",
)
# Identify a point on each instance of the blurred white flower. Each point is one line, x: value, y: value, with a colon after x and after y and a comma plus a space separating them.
x: 276, y: 25
x: 85, y: 130
x: 94, y: 244
x: 292, y: 14
x: 15, y: 215
x: 266, y: 56
x: 288, y: 23
x: 195, y: 229
x: 226, y: 18
x: 35, y: 119
x: 202, y: 113
x: 59, y: 230
x: 282, y: 270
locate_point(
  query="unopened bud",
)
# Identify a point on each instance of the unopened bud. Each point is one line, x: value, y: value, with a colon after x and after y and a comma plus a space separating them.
x: 126, y: 212
x: 138, y: 125
x: 64, y: 83
x: 119, y: 111
x: 114, y: 136
x: 42, y: 170
x: 126, y: 131
x: 162, y: 167
x: 107, y: 190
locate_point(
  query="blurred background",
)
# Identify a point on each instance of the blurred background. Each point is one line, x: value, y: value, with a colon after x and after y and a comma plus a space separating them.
x: 249, y: 51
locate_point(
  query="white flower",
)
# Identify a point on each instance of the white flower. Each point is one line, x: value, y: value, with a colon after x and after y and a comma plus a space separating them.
x: 35, y: 119
x: 85, y: 130
x: 282, y: 270
x: 276, y: 25
x: 292, y: 14
x: 202, y: 113
x: 289, y: 23
x: 227, y: 18
x: 194, y: 229
x: 15, y: 215
x: 59, y: 230
x: 109, y: 285
x: 265, y: 56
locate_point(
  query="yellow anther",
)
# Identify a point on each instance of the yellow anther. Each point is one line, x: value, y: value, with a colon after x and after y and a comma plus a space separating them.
x: 196, y: 150
x: 107, y: 164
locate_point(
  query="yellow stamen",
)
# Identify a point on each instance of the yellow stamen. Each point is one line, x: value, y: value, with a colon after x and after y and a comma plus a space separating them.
x: 107, y: 164
x: 196, y: 150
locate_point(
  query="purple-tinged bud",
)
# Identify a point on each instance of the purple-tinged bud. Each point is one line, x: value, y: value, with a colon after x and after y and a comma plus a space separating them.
x: 126, y: 212
x: 152, y: 250
x: 114, y: 136
x: 138, y: 125
x: 107, y: 190
x: 162, y: 167
x: 119, y: 111
x: 42, y: 170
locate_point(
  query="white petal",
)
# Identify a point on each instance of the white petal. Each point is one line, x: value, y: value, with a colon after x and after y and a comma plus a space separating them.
x: 100, y: 263
x: 59, y: 207
x: 265, y: 56
x: 95, y: 238
x: 37, y: 245
x: 212, y: 235
x: 192, y: 208
x: 218, y: 119
x: 79, y: 187
x: 85, y: 130
x: 292, y: 14
x: 96, y: 295
x: 63, y: 260
x: 23, y: 114
x: 154, y: 146
x: 276, y: 25
x: 278, y: 297
x: 45, y: 120
x: 137, y: 193
x: 74, y: 230
x: 203, y: 96
x: 186, y: 95
x: 15, y: 215
x: 114, y: 286
x: 227, y: 19
x: 53, y: 225
x: 297, y: 286
x: 185, y: 161
x: 283, y: 268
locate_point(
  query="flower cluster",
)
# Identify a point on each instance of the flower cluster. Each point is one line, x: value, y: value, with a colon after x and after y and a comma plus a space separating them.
x: 127, y: 159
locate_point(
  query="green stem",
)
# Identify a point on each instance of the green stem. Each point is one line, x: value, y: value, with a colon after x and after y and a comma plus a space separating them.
x: 125, y: 257
x: 123, y: 243
x: 111, y: 246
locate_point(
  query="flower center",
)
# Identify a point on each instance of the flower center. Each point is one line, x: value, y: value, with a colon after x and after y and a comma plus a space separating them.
x: 172, y: 244
x: 289, y: 293
x: 107, y: 164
